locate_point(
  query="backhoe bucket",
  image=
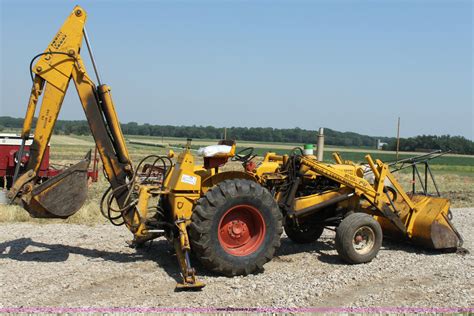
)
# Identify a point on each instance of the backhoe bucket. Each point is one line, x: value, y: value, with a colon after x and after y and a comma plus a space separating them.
x: 61, y: 196
x: 430, y: 225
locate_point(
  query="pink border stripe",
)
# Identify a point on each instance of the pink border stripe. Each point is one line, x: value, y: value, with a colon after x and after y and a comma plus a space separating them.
x: 236, y: 309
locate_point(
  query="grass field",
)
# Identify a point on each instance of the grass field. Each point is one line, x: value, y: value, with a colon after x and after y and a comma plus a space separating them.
x: 454, y: 173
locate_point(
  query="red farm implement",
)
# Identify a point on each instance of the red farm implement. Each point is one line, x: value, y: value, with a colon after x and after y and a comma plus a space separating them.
x: 9, y: 146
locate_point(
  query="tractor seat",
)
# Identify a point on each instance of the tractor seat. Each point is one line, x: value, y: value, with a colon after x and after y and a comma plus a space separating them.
x: 217, y: 155
x: 215, y: 151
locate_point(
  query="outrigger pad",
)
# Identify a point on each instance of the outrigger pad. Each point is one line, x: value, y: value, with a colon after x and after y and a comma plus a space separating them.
x: 61, y: 196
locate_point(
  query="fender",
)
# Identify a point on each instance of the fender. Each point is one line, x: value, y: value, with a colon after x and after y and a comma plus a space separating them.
x: 211, y: 181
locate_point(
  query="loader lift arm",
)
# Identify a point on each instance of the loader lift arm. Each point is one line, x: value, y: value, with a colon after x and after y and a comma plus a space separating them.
x: 419, y: 218
x: 422, y: 219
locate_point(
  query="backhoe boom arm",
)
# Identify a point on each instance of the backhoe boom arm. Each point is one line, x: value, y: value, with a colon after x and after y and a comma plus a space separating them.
x: 60, y: 63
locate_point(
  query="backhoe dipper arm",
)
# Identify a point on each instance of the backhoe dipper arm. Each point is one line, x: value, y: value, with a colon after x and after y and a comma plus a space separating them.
x: 56, y: 66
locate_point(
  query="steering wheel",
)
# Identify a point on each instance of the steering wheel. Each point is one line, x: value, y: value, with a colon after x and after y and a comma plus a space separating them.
x: 244, y: 155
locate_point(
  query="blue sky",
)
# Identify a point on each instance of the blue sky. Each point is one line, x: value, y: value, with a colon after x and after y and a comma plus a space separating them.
x: 347, y: 65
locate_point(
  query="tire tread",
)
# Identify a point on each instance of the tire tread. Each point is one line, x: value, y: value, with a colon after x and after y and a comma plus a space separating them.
x: 202, y: 221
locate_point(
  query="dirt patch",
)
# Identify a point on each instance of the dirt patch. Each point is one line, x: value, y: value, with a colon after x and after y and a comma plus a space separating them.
x: 459, y: 198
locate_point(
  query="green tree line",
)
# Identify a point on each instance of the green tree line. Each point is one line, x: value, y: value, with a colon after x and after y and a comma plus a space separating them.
x: 457, y: 144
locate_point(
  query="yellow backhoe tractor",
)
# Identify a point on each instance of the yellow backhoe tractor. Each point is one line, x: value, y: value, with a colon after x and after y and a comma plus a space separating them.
x: 234, y: 222
x: 230, y: 220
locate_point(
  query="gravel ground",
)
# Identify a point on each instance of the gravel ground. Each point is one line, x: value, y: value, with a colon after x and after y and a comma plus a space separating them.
x: 76, y: 265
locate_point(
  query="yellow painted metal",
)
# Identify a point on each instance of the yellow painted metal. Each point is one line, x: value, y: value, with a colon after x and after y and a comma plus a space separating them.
x: 20, y: 183
x: 397, y: 187
x: 189, y: 282
x: 183, y: 236
x: 50, y: 107
x: 216, y: 178
x: 204, y: 173
x: 60, y: 63
x: 430, y: 225
x: 182, y: 177
x: 424, y: 218
x: 339, y: 174
x: 141, y: 213
x: 372, y: 166
x: 337, y: 158
x: 116, y: 172
x: 113, y: 123
x: 36, y: 91
x: 56, y: 68
x: 267, y: 168
x: 270, y: 164
x: 307, y: 201
x: 380, y: 184
x: 182, y: 204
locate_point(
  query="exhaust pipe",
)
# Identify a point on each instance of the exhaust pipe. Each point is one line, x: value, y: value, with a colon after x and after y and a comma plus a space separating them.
x: 320, y: 145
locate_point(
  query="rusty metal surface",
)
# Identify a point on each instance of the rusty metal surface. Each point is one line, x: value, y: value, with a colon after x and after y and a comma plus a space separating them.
x: 61, y: 196
x: 443, y: 236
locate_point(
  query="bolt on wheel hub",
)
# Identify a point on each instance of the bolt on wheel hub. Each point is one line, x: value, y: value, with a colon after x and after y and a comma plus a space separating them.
x: 363, y: 240
x: 241, y: 230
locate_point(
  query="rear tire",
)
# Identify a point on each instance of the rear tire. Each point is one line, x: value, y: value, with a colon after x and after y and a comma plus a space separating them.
x: 236, y: 227
x: 304, y: 233
x: 358, y: 238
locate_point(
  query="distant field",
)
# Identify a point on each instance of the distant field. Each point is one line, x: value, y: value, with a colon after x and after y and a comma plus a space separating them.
x: 67, y: 147
x: 449, y: 162
x: 454, y: 173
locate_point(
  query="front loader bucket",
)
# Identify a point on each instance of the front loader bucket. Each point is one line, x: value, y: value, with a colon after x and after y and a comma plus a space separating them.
x: 61, y: 196
x: 432, y: 227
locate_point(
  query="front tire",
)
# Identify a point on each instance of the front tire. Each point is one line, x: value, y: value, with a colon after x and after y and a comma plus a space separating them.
x: 358, y: 238
x: 236, y: 227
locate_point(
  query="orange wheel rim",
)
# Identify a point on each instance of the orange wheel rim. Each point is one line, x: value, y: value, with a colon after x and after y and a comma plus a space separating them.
x: 241, y: 230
